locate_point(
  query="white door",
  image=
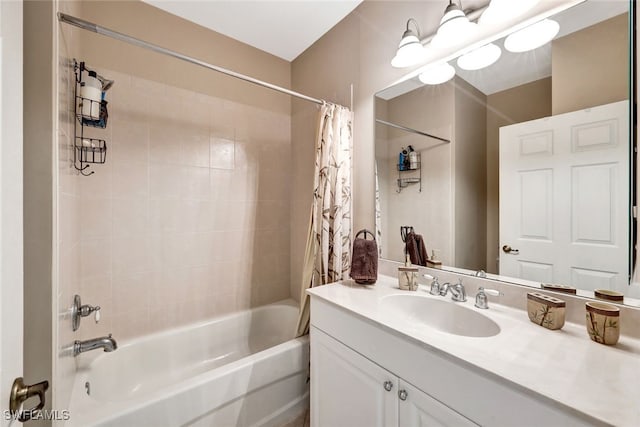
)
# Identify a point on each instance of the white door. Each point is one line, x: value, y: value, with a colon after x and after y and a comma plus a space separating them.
x: 564, y: 189
x: 347, y: 389
x: 10, y: 200
x: 418, y: 409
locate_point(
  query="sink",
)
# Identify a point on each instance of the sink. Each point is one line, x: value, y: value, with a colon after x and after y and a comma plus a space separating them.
x: 443, y: 315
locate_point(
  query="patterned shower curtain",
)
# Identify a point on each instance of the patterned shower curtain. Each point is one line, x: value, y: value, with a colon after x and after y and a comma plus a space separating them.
x: 328, y: 250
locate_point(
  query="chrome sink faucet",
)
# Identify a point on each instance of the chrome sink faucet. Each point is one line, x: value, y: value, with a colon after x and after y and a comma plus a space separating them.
x: 107, y: 344
x: 457, y: 291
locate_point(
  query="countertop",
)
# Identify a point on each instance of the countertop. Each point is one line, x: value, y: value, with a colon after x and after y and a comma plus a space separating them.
x: 564, y: 365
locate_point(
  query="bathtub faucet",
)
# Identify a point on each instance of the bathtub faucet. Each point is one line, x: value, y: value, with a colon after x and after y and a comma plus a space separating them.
x: 105, y: 343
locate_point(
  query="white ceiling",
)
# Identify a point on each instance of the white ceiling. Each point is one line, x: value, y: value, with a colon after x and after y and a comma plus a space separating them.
x: 284, y: 28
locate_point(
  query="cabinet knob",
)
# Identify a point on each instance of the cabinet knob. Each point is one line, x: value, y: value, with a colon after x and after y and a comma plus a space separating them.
x: 388, y: 385
x: 402, y: 394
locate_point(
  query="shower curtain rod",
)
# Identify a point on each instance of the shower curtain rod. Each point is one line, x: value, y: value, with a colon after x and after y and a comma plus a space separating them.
x: 417, y: 132
x: 90, y: 26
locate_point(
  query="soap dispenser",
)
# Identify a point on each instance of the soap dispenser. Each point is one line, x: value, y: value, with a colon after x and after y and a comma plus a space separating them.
x: 408, y: 276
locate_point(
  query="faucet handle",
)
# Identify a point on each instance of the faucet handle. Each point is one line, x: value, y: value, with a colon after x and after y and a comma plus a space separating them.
x: 97, y: 314
x: 481, y: 297
x: 435, y: 286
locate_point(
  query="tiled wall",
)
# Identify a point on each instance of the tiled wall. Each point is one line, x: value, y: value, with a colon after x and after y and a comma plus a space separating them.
x: 66, y: 217
x: 189, y: 216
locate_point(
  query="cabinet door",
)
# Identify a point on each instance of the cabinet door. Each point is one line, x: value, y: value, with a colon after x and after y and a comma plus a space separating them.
x: 347, y: 389
x: 418, y: 409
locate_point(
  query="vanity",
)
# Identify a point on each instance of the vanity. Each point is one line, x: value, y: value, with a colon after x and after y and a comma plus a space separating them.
x: 379, y: 358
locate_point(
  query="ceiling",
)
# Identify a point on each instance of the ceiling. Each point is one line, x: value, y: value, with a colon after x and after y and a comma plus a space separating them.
x: 284, y: 28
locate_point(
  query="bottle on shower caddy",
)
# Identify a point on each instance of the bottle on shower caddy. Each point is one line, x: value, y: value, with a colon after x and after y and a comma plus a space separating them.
x: 403, y: 160
x: 91, y: 94
x: 412, y: 158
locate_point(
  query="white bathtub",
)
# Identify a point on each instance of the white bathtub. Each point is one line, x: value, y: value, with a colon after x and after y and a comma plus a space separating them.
x: 244, y: 369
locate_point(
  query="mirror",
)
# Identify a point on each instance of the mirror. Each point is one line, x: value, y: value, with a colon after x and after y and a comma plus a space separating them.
x: 520, y: 169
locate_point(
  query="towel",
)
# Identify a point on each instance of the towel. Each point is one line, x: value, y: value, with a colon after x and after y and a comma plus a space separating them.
x: 364, y: 260
x: 414, y: 246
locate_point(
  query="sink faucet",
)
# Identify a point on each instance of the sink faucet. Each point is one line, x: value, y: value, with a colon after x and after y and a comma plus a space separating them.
x: 457, y: 291
x: 106, y: 343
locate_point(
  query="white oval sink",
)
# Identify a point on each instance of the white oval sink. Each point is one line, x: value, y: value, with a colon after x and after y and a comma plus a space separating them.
x: 443, y: 315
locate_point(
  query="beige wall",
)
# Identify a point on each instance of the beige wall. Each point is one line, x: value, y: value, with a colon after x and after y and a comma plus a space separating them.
x: 469, y: 182
x: 450, y: 210
x: 148, y: 23
x: 66, y: 278
x: 429, y: 109
x: 189, y: 216
x: 590, y: 67
x: 357, y: 51
x: 506, y: 108
x: 38, y: 189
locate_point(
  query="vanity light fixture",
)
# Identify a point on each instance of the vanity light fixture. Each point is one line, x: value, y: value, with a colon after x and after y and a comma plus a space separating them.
x: 501, y: 10
x: 532, y: 37
x: 410, y: 50
x: 437, y: 74
x: 454, y: 27
x: 480, y: 58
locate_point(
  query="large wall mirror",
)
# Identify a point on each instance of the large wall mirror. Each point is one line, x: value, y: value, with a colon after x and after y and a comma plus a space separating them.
x: 523, y: 169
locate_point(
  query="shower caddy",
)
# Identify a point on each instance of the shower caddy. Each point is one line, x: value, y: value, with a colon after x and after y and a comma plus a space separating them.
x: 88, y: 150
x: 404, y: 181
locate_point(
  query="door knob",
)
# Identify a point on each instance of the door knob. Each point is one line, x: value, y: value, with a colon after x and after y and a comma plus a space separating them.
x: 509, y: 250
x: 388, y: 385
x: 402, y: 394
x: 20, y: 392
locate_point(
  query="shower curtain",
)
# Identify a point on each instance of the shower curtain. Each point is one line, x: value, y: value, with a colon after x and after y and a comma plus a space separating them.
x: 327, y: 254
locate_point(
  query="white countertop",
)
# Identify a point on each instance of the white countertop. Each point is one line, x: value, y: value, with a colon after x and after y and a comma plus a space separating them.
x: 564, y: 365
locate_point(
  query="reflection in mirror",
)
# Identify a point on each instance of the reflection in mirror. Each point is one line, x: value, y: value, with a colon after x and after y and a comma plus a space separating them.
x: 535, y: 185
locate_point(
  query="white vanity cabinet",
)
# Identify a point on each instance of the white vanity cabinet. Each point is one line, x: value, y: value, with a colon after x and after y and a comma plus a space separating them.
x: 349, y: 390
x: 353, y: 357
x: 418, y: 409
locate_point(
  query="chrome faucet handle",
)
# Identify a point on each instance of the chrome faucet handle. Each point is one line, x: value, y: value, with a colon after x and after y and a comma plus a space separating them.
x: 481, y: 297
x: 435, y: 286
x: 458, y: 293
x: 481, y: 274
x: 78, y: 311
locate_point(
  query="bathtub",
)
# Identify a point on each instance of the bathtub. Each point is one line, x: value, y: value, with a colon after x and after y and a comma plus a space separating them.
x: 244, y: 369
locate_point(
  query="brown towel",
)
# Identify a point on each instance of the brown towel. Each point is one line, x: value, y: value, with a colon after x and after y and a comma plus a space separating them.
x: 416, y: 249
x: 364, y: 261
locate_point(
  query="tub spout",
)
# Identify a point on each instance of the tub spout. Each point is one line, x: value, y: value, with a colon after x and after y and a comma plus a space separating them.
x: 107, y: 344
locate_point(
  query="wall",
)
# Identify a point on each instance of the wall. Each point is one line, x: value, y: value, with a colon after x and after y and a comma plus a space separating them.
x: 429, y: 109
x: 357, y: 51
x: 503, y: 109
x: 188, y: 219
x: 66, y: 209
x: 595, y: 57
x: 38, y: 189
x: 450, y: 210
x: 470, y: 190
x: 189, y: 216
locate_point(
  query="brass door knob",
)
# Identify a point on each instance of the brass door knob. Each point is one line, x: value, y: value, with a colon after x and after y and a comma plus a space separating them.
x: 20, y: 392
